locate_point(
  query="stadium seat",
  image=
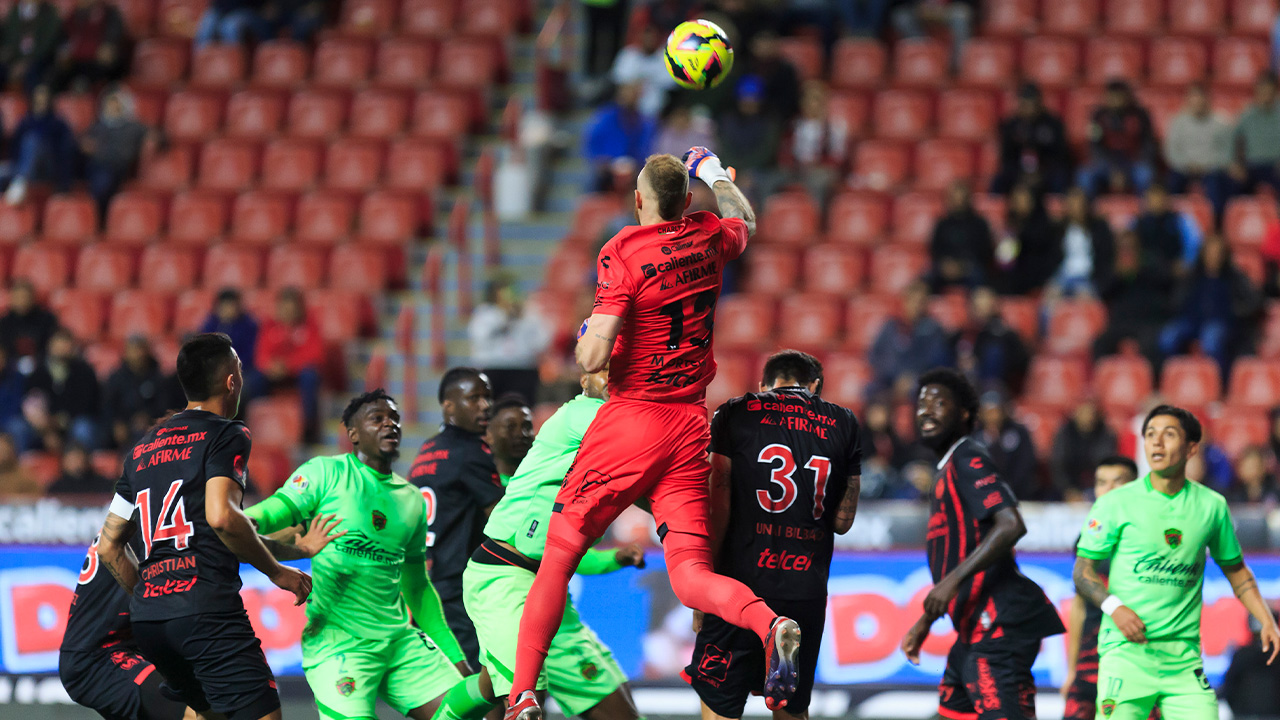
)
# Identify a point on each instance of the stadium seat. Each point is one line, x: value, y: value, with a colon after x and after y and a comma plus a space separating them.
x: 378, y: 113
x: 17, y: 222
x: 1069, y: 17
x: 490, y: 18
x: 941, y: 162
x: 1230, y: 101
x: 1203, y: 17
x: 1013, y: 18
x: 260, y: 217
x: 148, y: 104
x: 1042, y: 422
x: 790, y: 218
x: 1253, y: 17
x: 988, y: 63
x: 388, y: 218
x: 269, y: 467
x: 744, y: 322
x: 1238, y: 428
x: 865, y: 317
x: 280, y: 64
x: 353, y: 164
x: 736, y: 373
x: 881, y: 164
x: 139, y: 312
x: 851, y: 108
x: 1078, y: 113
x: 179, y: 18
x: 220, y: 66
x: 1237, y: 61
x: 858, y: 218
x: 229, y: 265
x: 1255, y: 382
x: 1269, y: 345
x: 197, y: 217
x: 441, y: 114
x: 166, y: 170
x: 1073, y: 326
x: 324, y: 218
x: 104, y: 267
x: 228, y: 165
x: 1134, y: 17
x: 367, y: 17
x: 1111, y: 58
x: 1190, y: 381
x: 168, y: 268
x: 290, y: 164
x: 80, y: 110
x: 846, y: 377
x: 339, y: 313
x: 1247, y: 219
x: 1197, y: 207
x: 342, y: 62
x: 191, y: 308
x: 254, y: 114
x: 13, y: 106
x: 950, y: 309
x: 809, y: 322
x: 357, y: 267
x: 83, y: 312
x: 432, y: 18
x: 1118, y: 210
x: 966, y: 115
x: 293, y: 265
x: 193, y: 115
x: 858, y: 63
x: 1177, y: 62
x: 70, y: 219
x: 1056, y: 381
x: 993, y: 208
x: 1122, y: 382
x: 467, y: 63
x: 139, y: 18
x: 403, y: 62
x: 804, y: 54
x: 833, y: 269
x: 276, y: 421
x: 1051, y: 62
x: 914, y: 215
x: 1023, y: 315
x: 421, y: 165
x: 159, y: 62
x: 894, y: 267
x: 902, y: 114
x: 920, y: 63
x: 317, y: 113
x: 771, y: 270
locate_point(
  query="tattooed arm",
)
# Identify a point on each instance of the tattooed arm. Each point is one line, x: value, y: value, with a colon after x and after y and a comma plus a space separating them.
x: 848, y: 505
x: 733, y: 204
x: 1091, y: 586
x: 114, y: 552
x: 1246, y: 588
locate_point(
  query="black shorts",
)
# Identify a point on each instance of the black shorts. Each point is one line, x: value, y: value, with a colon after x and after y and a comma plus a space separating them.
x: 729, y: 661
x: 455, y: 614
x: 118, y: 683
x: 213, y: 661
x: 990, y: 680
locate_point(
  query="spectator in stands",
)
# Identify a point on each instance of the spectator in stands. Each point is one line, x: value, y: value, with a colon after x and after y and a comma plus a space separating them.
x: 1087, y: 248
x: 817, y: 150
x: 683, y: 127
x: 299, y: 20
x: 1211, y: 465
x: 1082, y: 442
x: 1198, y: 149
x: 508, y: 339
x: 1218, y: 306
x: 1122, y: 144
x: 863, y: 18
x: 1258, y: 139
x: 878, y: 437
x: 62, y: 396
x: 290, y: 355
x: 43, y: 147
x: 617, y: 131
x: 15, y: 482
x: 961, y: 250
x: 13, y: 386
x: 1027, y: 253
x: 781, y: 82
x: 136, y: 394
x: 1252, y: 482
x: 26, y: 327
x: 907, y: 345
x: 228, y: 316
x: 1270, y: 252
x: 1164, y: 234
x: 232, y: 21
x: 910, y: 18
x: 112, y: 146
x: 1009, y: 443
x: 77, y: 476
x: 986, y: 349
x: 93, y: 50
x: 1251, y: 685
x: 1033, y: 147
x: 28, y: 42
x: 606, y: 28
x: 749, y: 139
x: 645, y: 64
x: 1136, y: 294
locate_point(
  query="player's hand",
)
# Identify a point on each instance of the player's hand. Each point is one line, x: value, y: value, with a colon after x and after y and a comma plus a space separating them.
x: 705, y: 166
x: 1130, y: 625
x: 464, y: 668
x: 698, y: 617
x: 630, y: 556
x: 940, y: 597
x: 1067, y: 682
x: 914, y: 639
x: 318, y: 535
x: 1271, y: 641
x: 294, y: 581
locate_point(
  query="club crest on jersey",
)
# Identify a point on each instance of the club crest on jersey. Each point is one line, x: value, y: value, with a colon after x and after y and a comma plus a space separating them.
x: 649, y: 270
x: 299, y: 483
x: 1173, y: 538
x: 379, y: 520
x: 753, y: 406
x: 346, y: 686
x: 1107, y: 706
x: 589, y: 670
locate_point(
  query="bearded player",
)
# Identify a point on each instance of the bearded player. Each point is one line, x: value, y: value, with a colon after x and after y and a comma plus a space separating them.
x: 652, y: 326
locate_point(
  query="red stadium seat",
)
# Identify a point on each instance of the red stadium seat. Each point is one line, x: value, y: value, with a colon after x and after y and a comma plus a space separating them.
x: 342, y: 62
x: 139, y: 312
x: 950, y: 309
x: 317, y: 113
x: 441, y: 114
x: 894, y: 267
x: 83, y: 312
x: 865, y: 317
x: 254, y: 114
x: 432, y: 18
x: 353, y: 164
x: 1238, y: 428
x: 324, y: 218
x: 790, y: 218
x: 228, y: 165
x: 237, y: 266
x: 46, y: 267
x: 166, y: 170
x: 276, y: 420
x: 1255, y: 382
x: 858, y: 218
x: 1111, y: 58
x: 846, y: 377
x: 804, y: 54
x: 1269, y: 345
x: 420, y: 165
x: 179, y: 18
x: 988, y: 63
x: 1253, y: 17
x: 269, y: 467
x: 490, y: 18
x: 851, y: 108
x: 810, y: 322
x: 404, y: 62
x: 593, y: 216
x: 1056, y: 381
x: 1013, y: 18
x: 1074, y: 325
x: 920, y: 62
x: 191, y: 309
x: 195, y: 218
x: 1119, y: 210
x: 1251, y: 264
x: 941, y: 162
x: 1203, y: 17
x: 1041, y: 421
x: 168, y: 268
x: 290, y: 164
x: 1237, y: 62
x: 744, y: 322
x: 78, y: 109
x: 993, y: 208
x: 1177, y: 62
x: 1023, y: 315
x: 1197, y: 207
x: 1134, y: 17
x: 159, y: 62
x: 736, y: 373
x: 1122, y: 382
x: 69, y: 220
x: 467, y: 63
x: 858, y: 63
x: 260, y: 217
x: 833, y: 269
x: 218, y: 66
x: 388, y: 218
x: 356, y: 267
x: 1190, y: 381
x: 1230, y: 102
x: 881, y: 164
x: 295, y: 266
x: 280, y: 64
x: 1081, y: 102
x: 1247, y: 219
x: 966, y: 115
x: 1050, y: 61
x: 17, y: 222
x: 1069, y: 17
x: 192, y: 115
x: 367, y: 17
x: 771, y: 270
x: 339, y: 313
x: 139, y: 17
x: 13, y: 106
x: 104, y: 267
x: 914, y: 215
x: 902, y: 114
x: 378, y: 113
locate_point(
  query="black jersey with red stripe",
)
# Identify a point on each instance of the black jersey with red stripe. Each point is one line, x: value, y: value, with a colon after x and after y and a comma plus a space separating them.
x: 99, y: 614
x: 999, y: 600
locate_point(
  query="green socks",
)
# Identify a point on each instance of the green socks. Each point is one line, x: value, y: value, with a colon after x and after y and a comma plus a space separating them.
x: 464, y: 701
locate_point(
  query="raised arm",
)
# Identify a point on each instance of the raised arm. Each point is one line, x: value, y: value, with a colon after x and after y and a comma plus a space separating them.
x: 733, y: 204
x: 222, y: 512
x: 848, y: 509
x: 1245, y: 586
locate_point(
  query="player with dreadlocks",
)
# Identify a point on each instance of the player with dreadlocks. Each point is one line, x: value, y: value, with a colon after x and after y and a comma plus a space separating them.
x: 359, y: 643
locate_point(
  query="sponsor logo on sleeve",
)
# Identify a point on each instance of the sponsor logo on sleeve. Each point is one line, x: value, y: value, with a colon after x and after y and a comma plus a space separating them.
x: 992, y: 499
x: 299, y: 483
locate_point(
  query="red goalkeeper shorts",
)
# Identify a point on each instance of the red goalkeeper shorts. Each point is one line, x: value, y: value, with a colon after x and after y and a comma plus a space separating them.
x: 636, y: 449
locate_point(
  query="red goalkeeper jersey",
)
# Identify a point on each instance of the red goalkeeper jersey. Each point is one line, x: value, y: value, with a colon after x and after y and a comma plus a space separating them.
x: 663, y: 281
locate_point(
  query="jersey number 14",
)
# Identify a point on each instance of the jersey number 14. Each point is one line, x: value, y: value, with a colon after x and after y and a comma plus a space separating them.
x: 783, y: 468
x: 171, y: 523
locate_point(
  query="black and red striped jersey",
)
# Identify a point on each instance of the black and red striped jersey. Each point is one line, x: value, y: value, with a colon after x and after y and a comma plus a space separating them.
x: 967, y: 494
x: 99, y: 614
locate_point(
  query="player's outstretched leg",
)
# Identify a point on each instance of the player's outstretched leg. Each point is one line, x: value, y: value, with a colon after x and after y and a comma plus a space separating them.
x: 782, y: 674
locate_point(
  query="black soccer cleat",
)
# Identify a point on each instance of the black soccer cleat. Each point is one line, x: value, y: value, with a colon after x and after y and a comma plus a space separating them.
x: 783, y: 670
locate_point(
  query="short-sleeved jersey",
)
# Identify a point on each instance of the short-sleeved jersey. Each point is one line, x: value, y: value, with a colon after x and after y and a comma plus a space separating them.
x: 664, y: 281
x: 185, y: 569
x: 1000, y: 600
x: 520, y: 519
x: 1157, y: 546
x: 792, y: 455
x: 457, y: 476
x: 357, y: 577
x: 99, y: 614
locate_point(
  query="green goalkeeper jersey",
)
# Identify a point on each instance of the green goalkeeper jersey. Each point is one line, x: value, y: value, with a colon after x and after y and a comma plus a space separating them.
x: 357, y: 577
x: 1156, y: 544
x: 521, y: 517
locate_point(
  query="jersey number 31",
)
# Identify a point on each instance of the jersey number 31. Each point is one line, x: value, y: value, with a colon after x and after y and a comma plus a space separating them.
x: 783, y: 464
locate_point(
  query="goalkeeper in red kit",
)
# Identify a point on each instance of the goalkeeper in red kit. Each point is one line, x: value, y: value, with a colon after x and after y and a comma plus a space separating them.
x: 652, y: 322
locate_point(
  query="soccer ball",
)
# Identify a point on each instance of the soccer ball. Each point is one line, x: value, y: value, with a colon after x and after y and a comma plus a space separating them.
x: 698, y: 55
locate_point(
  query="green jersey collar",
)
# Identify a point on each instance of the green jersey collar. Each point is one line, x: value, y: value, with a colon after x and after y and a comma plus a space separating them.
x: 1146, y: 480
x: 375, y: 473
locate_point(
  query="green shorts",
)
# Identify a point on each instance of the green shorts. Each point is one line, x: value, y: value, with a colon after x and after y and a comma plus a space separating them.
x: 1133, y: 678
x: 348, y: 674
x: 579, y: 672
